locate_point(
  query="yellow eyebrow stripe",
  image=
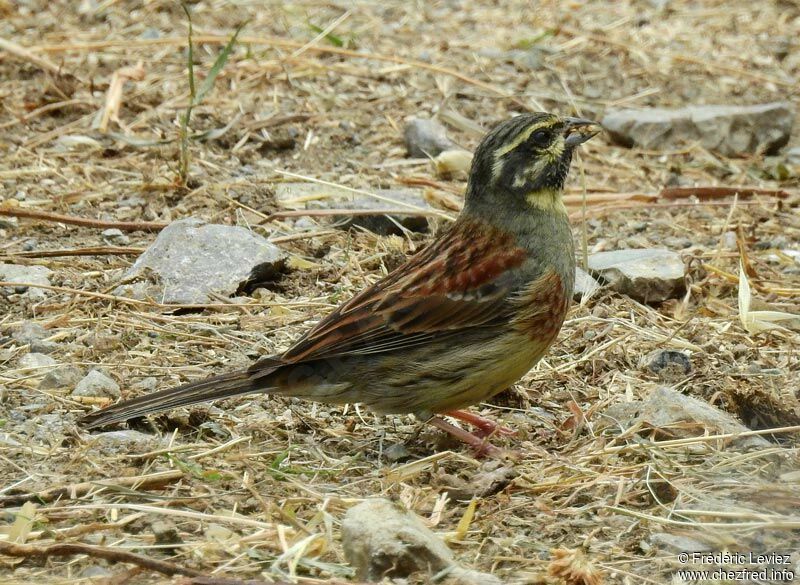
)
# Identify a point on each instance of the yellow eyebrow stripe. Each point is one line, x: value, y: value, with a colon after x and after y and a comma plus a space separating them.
x: 522, y: 137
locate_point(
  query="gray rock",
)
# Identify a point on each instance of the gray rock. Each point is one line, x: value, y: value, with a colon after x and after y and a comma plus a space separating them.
x: 147, y: 384
x: 793, y: 155
x: 126, y: 440
x: 96, y: 572
x: 191, y: 261
x: 33, y: 335
x: 728, y: 240
x: 729, y: 130
x: 585, y: 285
x: 63, y: 378
x: 29, y: 274
x: 674, y: 543
x: 28, y: 333
x: 461, y: 576
x: 396, y: 452
x: 648, y: 275
x: 677, y: 416
x: 97, y: 384
x: 426, y: 138
x: 381, y: 223
x: 381, y: 539
x: 36, y: 361
x: 524, y: 59
x: 116, y: 236
x: 165, y: 532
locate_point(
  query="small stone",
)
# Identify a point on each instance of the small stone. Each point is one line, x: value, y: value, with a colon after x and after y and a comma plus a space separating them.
x: 669, y: 364
x: 382, y: 540
x: 729, y: 130
x: 192, y: 262
x: 396, y: 452
x: 97, y: 384
x: 116, y: 236
x: 97, y: 572
x: 43, y: 346
x: 145, y: 384
x: 27, y: 274
x: 150, y: 33
x: 674, y: 543
x: 649, y: 275
x: 126, y: 440
x: 36, y: 361
x: 28, y: 333
x: 426, y: 138
x: 33, y: 335
x: 729, y: 241
x: 462, y: 576
x: 165, y: 532
x: 63, y: 378
x: 677, y: 416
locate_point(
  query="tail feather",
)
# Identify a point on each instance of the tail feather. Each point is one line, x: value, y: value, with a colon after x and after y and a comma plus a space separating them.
x: 213, y: 388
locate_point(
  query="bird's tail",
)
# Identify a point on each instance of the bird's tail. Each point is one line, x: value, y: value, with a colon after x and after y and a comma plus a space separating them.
x: 213, y: 388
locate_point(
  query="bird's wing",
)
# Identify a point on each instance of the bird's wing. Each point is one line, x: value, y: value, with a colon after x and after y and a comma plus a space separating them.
x: 460, y: 281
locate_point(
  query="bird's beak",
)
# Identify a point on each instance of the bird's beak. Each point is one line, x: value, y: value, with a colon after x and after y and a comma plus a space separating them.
x: 577, y: 130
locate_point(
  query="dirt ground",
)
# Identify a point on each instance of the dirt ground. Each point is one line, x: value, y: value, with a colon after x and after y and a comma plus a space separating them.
x: 256, y: 488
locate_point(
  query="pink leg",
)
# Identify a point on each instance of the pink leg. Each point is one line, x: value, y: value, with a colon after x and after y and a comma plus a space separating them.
x: 482, y: 448
x: 485, y: 426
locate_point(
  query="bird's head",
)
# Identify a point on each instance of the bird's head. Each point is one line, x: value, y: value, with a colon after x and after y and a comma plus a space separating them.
x: 523, y: 162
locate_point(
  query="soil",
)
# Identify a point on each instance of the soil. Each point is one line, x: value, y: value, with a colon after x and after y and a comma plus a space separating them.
x: 256, y: 488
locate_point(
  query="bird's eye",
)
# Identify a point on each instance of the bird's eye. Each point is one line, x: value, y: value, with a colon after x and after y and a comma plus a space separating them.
x: 540, y: 138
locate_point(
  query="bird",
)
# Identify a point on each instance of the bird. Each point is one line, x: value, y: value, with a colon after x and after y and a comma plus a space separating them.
x: 460, y: 321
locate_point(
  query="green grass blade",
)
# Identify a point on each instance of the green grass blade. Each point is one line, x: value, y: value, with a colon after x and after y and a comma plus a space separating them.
x: 219, y: 63
x: 330, y: 37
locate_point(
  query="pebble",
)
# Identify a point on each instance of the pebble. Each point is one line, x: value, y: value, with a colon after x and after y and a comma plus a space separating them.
x: 95, y: 384
x: 115, y: 236
x: 36, y: 361
x: 63, y: 378
x: 27, y: 274
x: 382, y: 540
x: 426, y: 138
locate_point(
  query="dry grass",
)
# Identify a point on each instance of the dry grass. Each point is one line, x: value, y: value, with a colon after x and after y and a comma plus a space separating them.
x: 257, y: 487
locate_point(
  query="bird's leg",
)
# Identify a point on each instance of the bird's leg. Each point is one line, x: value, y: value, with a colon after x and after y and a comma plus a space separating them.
x: 482, y: 448
x: 485, y: 426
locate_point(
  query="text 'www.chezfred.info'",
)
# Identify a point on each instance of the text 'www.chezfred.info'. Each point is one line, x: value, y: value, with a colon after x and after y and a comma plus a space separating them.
x: 771, y: 567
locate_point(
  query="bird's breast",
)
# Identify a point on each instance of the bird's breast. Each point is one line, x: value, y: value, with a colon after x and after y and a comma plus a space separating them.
x: 542, y: 307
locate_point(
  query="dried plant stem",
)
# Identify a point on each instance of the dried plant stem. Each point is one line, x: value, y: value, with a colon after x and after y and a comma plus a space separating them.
x: 126, y: 226
x: 68, y: 549
x: 80, y: 489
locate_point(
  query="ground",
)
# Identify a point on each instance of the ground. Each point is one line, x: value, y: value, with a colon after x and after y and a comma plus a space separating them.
x: 256, y: 488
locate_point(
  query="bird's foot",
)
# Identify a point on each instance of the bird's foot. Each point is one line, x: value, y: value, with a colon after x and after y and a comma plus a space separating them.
x: 477, y: 442
x: 486, y: 427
